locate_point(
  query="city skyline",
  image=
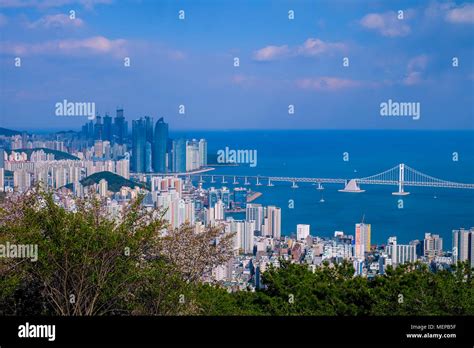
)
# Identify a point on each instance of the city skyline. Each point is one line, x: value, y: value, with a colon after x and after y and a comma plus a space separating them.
x: 284, y: 63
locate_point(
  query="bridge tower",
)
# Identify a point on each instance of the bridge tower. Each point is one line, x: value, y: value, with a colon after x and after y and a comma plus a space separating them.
x: 352, y: 186
x: 401, y: 180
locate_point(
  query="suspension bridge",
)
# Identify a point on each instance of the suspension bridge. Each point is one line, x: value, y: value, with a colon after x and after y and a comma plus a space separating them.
x: 401, y: 176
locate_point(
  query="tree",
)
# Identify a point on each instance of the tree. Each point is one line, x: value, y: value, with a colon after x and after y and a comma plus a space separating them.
x: 90, y: 263
x: 196, y: 253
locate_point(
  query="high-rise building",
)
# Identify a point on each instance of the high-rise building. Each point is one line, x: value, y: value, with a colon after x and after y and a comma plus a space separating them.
x: 103, y: 187
x: 148, y: 157
x: 98, y: 149
x: 179, y: 155
x: 120, y: 127
x: 106, y: 149
x: 138, y: 145
x: 302, y: 231
x: 418, y: 247
x: 160, y: 145
x: 219, y: 210
x: 202, y: 153
x: 237, y: 227
x: 247, y: 240
x: 78, y: 189
x: 213, y: 197
x: 432, y: 246
x: 274, y: 221
x: 2, y: 179
x: 123, y: 168
x: 90, y: 130
x: 463, y: 245
x: 21, y: 180
x: 192, y: 155
x: 225, y: 196
x: 362, y: 239
x: 107, y: 129
x: 98, y: 128
x: 400, y: 253
x: 149, y: 129
x: 255, y: 212
x: 2, y: 158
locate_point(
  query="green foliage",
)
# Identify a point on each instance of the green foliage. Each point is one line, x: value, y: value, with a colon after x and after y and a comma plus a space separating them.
x: 127, y: 267
x: 115, y: 182
x: 335, y: 291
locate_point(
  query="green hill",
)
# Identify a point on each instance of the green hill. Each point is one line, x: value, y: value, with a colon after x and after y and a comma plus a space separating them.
x: 8, y: 132
x: 115, y: 182
x: 58, y: 155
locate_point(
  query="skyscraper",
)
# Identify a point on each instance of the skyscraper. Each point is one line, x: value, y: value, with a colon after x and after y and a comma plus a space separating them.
x: 463, y: 245
x: 138, y: 145
x: 219, y: 208
x: 274, y: 221
x: 248, y: 236
x: 192, y: 155
x: 159, y: 146
x: 98, y: 128
x: 179, y: 155
x: 148, y: 157
x: 107, y: 129
x: 255, y: 212
x: 202, y: 153
x: 362, y: 240
x: 120, y: 127
x: 149, y: 129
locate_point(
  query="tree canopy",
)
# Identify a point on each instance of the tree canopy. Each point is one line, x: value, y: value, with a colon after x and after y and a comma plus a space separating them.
x: 90, y: 263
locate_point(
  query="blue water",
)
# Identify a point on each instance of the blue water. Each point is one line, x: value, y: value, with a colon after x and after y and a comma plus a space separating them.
x: 320, y: 154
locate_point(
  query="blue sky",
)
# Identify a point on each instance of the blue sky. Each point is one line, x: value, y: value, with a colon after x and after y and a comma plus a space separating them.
x: 282, y: 62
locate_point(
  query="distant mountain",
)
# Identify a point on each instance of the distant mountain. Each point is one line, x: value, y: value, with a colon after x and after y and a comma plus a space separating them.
x: 115, y: 182
x: 58, y: 155
x: 9, y: 132
x: 66, y: 132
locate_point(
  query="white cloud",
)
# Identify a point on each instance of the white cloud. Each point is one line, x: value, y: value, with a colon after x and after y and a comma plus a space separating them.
x: 461, y: 14
x: 451, y: 12
x: 327, y: 83
x: 56, y: 21
x: 271, y: 53
x: 315, y: 47
x: 310, y: 48
x: 94, y: 45
x: 415, y: 69
x: 387, y: 24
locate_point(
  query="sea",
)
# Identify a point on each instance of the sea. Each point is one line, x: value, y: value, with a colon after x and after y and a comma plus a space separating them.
x: 447, y: 155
